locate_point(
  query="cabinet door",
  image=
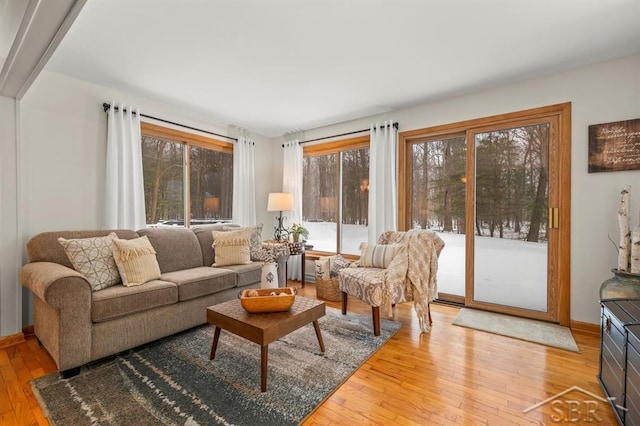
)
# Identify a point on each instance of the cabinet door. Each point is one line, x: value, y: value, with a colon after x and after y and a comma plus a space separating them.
x: 632, y: 397
x: 613, y: 361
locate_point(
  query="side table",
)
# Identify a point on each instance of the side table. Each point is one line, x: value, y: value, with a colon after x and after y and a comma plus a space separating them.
x: 297, y: 249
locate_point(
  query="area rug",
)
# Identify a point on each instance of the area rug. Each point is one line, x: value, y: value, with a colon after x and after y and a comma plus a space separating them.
x: 520, y: 328
x: 172, y: 381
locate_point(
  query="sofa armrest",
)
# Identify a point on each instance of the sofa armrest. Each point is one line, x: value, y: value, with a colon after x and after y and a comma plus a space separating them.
x: 62, y: 311
x: 40, y: 278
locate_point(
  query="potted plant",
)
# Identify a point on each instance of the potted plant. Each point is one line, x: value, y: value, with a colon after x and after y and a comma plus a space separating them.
x: 297, y: 231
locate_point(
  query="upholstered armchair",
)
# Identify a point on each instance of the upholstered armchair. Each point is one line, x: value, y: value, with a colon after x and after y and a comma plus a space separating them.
x: 401, y: 267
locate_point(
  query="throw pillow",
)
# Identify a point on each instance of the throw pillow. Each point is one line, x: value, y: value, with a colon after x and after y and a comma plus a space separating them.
x: 378, y: 256
x: 255, y: 240
x: 322, y: 269
x: 231, y: 247
x: 136, y: 261
x: 339, y: 263
x: 93, y: 258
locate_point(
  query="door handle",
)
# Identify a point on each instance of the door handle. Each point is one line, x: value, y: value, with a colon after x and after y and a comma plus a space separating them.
x: 554, y: 218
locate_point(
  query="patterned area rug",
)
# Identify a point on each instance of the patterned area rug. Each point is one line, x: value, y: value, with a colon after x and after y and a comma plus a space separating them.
x: 520, y: 328
x: 172, y: 381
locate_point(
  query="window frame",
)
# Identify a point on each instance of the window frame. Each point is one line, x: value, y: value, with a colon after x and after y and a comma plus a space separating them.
x: 187, y: 140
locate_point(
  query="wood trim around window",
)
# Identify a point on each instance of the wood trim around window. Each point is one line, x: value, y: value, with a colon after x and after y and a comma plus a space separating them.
x: 337, y: 146
x: 173, y: 135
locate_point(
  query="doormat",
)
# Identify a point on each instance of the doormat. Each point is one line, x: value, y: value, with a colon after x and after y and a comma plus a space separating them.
x: 172, y: 381
x: 520, y: 328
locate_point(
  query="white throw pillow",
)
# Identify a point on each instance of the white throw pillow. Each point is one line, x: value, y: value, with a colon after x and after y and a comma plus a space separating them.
x: 136, y: 260
x: 323, y: 270
x: 231, y: 247
x: 377, y: 256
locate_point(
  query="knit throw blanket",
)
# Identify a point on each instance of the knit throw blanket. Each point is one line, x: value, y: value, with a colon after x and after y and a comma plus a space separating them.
x: 415, y: 267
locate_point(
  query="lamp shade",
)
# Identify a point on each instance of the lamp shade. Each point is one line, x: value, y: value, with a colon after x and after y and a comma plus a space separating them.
x: 280, y: 201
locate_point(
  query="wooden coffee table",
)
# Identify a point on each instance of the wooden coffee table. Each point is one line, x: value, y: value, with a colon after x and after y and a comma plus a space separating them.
x: 264, y: 328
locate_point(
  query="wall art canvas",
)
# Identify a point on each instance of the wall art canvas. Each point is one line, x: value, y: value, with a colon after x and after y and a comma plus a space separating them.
x: 614, y: 146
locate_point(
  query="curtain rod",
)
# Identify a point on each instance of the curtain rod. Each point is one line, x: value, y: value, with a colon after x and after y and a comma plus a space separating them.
x: 395, y: 125
x: 106, y: 107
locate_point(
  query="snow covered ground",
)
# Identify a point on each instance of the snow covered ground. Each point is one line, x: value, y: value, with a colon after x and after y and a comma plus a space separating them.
x: 507, y: 272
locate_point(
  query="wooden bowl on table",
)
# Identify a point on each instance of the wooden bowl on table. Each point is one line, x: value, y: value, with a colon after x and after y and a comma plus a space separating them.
x: 262, y: 300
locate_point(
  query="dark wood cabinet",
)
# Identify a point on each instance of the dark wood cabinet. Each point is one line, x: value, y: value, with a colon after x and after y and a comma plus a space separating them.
x: 620, y: 358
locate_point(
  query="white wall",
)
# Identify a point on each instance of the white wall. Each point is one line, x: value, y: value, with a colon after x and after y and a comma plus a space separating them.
x: 63, y: 148
x: 599, y: 93
x: 10, y: 293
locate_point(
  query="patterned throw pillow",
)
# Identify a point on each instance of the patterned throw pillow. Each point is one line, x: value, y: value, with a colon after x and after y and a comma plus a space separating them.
x: 136, y: 261
x: 322, y: 269
x: 231, y: 247
x: 93, y: 258
x: 337, y: 264
x: 377, y: 256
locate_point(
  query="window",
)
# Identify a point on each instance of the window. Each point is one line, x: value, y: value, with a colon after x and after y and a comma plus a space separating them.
x: 185, y: 176
x: 336, y: 195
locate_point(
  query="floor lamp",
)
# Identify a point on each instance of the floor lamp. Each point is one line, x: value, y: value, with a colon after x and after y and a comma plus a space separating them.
x: 279, y: 202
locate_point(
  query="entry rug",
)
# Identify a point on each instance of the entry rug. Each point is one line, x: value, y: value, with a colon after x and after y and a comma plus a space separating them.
x: 172, y: 381
x: 521, y: 328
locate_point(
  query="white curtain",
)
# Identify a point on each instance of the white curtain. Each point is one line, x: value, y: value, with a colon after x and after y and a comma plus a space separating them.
x: 124, y: 187
x: 244, y: 194
x: 292, y: 182
x: 383, y: 180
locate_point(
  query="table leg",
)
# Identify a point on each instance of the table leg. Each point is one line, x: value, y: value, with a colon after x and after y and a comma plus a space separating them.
x: 263, y: 368
x: 214, y: 346
x: 304, y: 260
x: 316, y: 326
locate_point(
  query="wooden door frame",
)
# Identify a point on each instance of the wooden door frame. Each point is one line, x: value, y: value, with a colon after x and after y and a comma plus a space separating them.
x: 559, y: 302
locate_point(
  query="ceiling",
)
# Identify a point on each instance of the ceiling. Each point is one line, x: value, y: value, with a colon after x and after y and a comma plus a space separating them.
x: 282, y: 65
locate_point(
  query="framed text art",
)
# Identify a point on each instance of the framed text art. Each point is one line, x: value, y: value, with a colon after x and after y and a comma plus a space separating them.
x: 614, y: 146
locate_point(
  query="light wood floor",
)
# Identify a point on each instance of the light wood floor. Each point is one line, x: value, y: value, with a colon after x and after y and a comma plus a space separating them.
x: 453, y: 375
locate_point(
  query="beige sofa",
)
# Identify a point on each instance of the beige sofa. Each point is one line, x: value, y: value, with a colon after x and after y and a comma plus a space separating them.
x: 77, y: 325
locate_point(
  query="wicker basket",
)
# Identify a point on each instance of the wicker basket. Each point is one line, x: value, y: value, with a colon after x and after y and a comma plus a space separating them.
x: 328, y: 289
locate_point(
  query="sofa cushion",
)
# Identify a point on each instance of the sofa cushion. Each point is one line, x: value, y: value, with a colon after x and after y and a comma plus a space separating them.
x: 93, y: 258
x: 176, y: 248
x: 203, y: 234
x: 119, y: 301
x: 136, y: 261
x: 200, y: 281
x: 367, y: 283
x: 246, y: 274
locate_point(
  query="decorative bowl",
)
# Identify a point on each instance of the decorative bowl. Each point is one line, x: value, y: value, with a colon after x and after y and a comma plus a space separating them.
x: 264, y: 300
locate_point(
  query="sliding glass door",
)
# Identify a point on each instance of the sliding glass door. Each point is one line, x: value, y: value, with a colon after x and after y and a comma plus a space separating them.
x: 511, y: 236
x: 438, y: 203
x: 496, y: 190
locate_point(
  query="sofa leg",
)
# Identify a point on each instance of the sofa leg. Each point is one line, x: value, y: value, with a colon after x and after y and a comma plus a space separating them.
x: 67, y: 374
x: 344, y: 302
x: 429, y: 313
x: 375, y: 311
